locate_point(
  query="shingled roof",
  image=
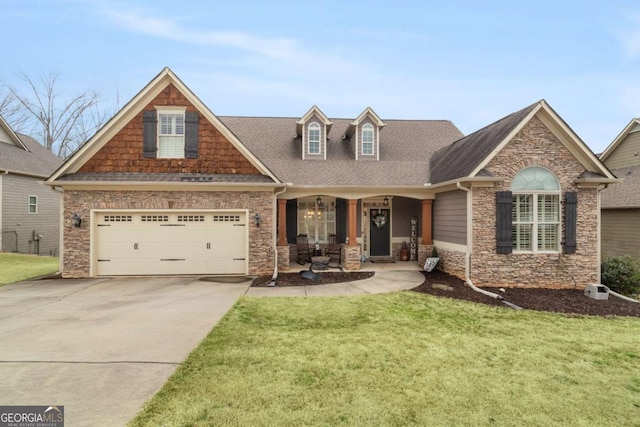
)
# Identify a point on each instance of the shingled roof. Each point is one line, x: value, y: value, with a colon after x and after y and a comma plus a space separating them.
x: 38, y: 161
x: 405, y: 149
x: 462, y: 157
x: 624, y: 194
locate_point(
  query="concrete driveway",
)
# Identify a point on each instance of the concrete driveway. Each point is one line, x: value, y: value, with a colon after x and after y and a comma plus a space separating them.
x: 102, y: 347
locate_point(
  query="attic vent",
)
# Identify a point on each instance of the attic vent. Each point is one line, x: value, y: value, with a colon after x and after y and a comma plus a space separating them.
x: 197, y: 179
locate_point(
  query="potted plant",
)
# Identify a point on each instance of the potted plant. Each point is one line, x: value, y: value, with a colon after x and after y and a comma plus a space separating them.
x: 404, y: 252
x: 432, y: 260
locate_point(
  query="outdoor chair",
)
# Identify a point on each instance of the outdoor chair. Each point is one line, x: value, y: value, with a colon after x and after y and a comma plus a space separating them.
x: 304, y: 251
x: 334, y: 249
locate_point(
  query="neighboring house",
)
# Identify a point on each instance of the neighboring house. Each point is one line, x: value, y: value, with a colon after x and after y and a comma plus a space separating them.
x: 621, y: 202
x: 29, y: 211
x: 167, y: 187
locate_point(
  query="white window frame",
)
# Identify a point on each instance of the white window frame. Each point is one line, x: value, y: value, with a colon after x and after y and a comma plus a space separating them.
x: 368, y: 127
x: 177, y: 152
x: 535, y: 221
x: 35, y: 205
x: 317, y: 222
x: 316, y: 127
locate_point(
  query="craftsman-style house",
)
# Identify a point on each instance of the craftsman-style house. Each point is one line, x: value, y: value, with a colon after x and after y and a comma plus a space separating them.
x: 168, y: 187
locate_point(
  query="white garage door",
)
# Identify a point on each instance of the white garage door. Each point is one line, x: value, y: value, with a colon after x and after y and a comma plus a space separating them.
x: 164, y: 243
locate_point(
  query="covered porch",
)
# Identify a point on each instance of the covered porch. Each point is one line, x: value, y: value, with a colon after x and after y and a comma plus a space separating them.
x: 394, y: 226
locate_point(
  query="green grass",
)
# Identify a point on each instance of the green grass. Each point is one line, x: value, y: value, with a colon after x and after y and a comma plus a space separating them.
x: 17, y: 267
x: 403, y: 359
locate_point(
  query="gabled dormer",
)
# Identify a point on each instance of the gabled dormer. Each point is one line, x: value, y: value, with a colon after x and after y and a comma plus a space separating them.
x: 313, y: 129
x: 364, y: 131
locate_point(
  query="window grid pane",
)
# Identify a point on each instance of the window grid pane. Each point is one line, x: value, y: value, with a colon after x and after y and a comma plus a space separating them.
x: 315, y: 221
x: 536, y: 216
x: 314, y: 138
x: 367, y: 139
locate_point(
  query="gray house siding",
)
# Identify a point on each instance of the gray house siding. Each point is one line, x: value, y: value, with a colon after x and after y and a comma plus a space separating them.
x: 450, y: 217
x: 627, y: 153
x: 403, y: 210
x: 620, y: 232
x: 16, y: 219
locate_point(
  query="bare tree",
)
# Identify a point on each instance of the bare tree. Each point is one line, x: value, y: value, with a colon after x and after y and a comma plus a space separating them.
x: 12, y: 112
x: 62, y: 123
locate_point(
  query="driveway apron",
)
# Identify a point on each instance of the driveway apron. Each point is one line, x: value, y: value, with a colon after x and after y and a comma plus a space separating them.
x: 102, y: 347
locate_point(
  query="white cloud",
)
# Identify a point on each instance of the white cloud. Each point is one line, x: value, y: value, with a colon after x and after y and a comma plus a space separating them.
x: 143, y: 22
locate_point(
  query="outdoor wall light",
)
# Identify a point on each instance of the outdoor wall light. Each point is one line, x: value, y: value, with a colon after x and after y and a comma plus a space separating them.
x: 257, y: 218
x: 385, y: 201
x: 77, y: 221
x: 319, y: 201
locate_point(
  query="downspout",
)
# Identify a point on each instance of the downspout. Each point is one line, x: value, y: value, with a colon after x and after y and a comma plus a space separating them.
x: 467, y: 258
x: 61, y: 232
x: 275, y: 235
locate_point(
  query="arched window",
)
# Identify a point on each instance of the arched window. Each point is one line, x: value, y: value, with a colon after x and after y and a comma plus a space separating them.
x: 536, y: 211
x: 314, y: 138
x: 367, y: 139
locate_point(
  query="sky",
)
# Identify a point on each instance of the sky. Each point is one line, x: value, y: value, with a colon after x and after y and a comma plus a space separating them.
x: 471, y: 62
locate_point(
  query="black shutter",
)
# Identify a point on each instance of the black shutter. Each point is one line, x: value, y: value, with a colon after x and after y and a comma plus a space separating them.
x: 191, y: 120
x: 149, y: 138
x: 504, y: 208
x: 341, y: 219
x: 292, y: 220
x: 571, y: 220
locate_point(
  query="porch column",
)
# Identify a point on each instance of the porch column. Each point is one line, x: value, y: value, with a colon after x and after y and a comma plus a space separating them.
x: 282, y: 222
x: 352, y: 208
x: 427, y: 206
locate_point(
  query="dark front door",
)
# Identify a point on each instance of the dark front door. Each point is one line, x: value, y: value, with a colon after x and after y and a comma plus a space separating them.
x: 380, y: 236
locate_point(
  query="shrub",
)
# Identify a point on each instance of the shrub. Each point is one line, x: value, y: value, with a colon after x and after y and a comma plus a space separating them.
x: 621, y: 274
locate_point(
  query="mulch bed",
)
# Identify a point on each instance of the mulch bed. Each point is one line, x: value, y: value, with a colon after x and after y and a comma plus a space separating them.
x: 324, y: 278
x: 570, y: 301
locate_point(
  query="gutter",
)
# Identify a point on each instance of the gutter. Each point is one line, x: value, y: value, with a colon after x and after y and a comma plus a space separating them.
x: 467, y: 257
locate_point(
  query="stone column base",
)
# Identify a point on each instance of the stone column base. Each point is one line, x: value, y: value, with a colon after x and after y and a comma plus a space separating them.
x: 350, y: 258
x: 283, y: 258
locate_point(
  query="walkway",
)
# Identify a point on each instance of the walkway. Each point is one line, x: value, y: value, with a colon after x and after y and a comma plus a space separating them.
x: 389, y: 277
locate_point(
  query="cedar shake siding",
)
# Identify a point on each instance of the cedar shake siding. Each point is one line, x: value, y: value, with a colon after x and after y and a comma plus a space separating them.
x: 450, y: 217
x: 124, y: 152
x: 535, y: 145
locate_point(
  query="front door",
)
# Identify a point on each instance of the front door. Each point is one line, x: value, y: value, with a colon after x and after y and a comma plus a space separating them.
x: 380, y: 234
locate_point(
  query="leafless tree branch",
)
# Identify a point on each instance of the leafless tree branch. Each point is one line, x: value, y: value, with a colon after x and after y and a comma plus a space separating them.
x: 62, y: 123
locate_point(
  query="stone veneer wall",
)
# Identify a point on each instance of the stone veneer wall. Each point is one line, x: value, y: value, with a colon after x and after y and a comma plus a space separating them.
x: 283, y: 258
x: 350, y: 257
x: 76, y: 251
x: 451, y: 262
x: 534, y: 145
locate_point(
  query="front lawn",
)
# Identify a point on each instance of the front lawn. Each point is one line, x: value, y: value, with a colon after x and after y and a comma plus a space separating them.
x: 403, y: 359
x: 17, y: 267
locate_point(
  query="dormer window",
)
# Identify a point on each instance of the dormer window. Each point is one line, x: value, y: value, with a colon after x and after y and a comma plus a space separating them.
x: 314, y: 138
x: 367, y: 140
